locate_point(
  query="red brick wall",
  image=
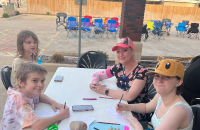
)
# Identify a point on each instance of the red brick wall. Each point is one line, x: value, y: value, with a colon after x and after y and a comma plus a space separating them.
x: 132, y: 19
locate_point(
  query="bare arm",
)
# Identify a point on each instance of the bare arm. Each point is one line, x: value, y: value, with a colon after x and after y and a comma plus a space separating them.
x: 130, y: 95
x: 45, y: 99
x: 15, y: 65
x: 45, y: 122
x: 133, y: 92
x: 144, y: 107
x: 177, y: 118
x: 140, y: 107
x: 134, y: 122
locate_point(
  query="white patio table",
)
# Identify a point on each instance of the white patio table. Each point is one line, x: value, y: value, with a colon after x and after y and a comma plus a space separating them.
x: 75, y: 87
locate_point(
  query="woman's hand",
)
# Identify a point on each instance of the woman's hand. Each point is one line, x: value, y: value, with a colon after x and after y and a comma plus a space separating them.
x: 134, y: 122
x: 120, y: 107
x: 98, y: 88
x: 56, y: 105
x: 92, y: 86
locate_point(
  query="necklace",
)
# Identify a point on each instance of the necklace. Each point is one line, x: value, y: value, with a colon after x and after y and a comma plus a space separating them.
x: 124, y: 76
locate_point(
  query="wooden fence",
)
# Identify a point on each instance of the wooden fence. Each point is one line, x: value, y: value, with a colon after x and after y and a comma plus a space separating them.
x: 93, y: 8
x: 175, y: 13
x: 113, y: 9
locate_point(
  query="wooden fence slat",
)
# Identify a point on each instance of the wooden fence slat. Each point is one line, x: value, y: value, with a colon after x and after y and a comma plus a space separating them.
x: 167, y: 12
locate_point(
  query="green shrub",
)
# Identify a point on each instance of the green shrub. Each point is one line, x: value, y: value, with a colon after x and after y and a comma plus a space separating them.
x: 17, y: 13
x: 105, y: 54
x: 5, y: 15
x: 57, y: 58
x: 9, y: 9
x: 48, y: 13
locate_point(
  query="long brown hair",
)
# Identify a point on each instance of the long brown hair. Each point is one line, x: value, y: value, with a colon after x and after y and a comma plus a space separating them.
x: 179, y: 88
x: 21, y: 37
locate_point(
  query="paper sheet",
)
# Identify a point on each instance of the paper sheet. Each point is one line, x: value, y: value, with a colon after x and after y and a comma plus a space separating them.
x: 87, y: 120
x: 117, y: 116
x: 47, y: 113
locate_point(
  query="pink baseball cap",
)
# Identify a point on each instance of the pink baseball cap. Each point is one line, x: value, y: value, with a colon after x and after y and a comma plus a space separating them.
x: 124, y: 43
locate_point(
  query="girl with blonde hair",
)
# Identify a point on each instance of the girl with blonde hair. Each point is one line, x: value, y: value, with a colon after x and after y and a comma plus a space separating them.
x: 27, y: 50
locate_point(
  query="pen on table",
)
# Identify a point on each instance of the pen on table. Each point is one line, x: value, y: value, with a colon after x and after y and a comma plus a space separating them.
x: 107, y: 97
x: 89, y: 98
x: 120, y: 99
x: 108, y: 123
x: 96, y: 128
x: 64, y: 105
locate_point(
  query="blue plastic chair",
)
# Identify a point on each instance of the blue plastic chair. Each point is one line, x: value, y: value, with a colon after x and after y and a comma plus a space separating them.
x: 155, y: 21
x: 98, y: 27
x: 86, y: 26
x: 181, y: 29
x: 158, y: 25
x: 111, y: 30
x: 72, y: 26
x: 158, y: 30
x: 163, y: 24
x: 167, y: 26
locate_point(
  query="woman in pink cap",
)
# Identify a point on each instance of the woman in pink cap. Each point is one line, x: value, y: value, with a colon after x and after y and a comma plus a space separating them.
x: 130, y: 77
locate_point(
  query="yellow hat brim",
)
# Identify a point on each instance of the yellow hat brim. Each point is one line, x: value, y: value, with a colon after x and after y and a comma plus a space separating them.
x: 158, y: 72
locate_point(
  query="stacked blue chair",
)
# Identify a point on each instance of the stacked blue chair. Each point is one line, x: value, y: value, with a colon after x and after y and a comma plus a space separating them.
x: 155, y: 21
x: 185, y: 21
x: 187, y: 25
x: 158, y: 30
x: 111, y: 30
x: 181, y: 29
x: 86, y: 27
x: 98, y: 27
x: 72, y: 27
x: 167, y: 24
x: 168, y: 27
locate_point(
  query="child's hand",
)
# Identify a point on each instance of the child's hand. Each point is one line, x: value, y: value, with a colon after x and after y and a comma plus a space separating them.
x: 120, y: 107
x: 64, y: 113
x: 56, y: 105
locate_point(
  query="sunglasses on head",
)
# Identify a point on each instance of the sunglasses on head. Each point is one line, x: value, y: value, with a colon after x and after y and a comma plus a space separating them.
x: 124, y: 42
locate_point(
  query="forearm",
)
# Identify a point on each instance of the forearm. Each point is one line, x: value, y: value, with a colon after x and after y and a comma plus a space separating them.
x: 45, y: 122
x: 45, y: 99
x: 118, y: 93
x: 138, y: 126
x: 130, y: 95
x: 138, y: 108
